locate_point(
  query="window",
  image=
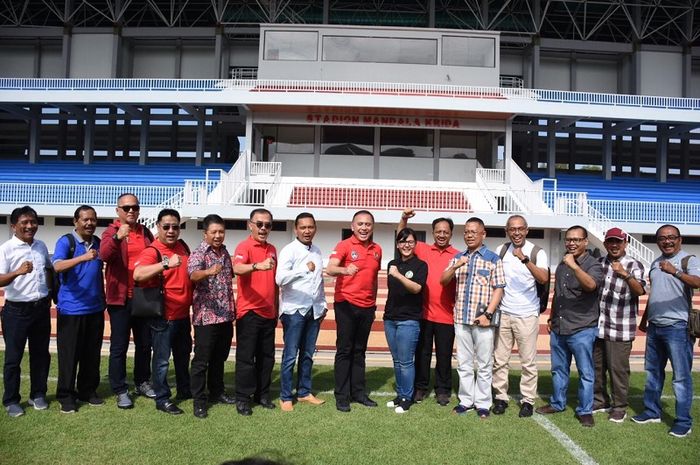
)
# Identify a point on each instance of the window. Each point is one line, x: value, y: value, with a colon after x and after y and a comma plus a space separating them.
x: 380, y: 50
x: 399, y: 142
x: 347, y: 140
x: 294, y: 139
x: 290, y: 46
x: 468, y: 51
x: 457, y: 144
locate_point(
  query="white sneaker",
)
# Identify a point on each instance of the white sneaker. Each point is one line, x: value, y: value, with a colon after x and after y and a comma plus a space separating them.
x: 400, y: 409
x: 393, y: 403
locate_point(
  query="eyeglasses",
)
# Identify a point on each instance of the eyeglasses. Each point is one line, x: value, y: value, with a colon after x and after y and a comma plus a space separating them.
x: 262, y: 224
x: 517, y: 230
x: 575, y: 240
x: 168, y: 227
x: 471, y: 233
x: 128, y: 208
x: 409, y: 243
x: 672, y: 238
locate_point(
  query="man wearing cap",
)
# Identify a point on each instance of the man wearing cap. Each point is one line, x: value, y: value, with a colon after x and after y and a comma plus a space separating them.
x: 619, y: 304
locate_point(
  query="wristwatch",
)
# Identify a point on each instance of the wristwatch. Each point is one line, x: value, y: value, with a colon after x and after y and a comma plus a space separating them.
x: 525, y: 260
x: 678, y: 274
x: 488, y: 315
x: 165, y: 263
x: 115, y: 236
x: 255, y: 266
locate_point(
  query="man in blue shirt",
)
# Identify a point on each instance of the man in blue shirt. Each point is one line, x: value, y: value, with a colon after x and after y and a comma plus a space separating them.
x: 81, y: 305
x: 673, y: 276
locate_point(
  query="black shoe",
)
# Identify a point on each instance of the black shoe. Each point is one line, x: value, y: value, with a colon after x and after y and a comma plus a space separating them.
x: 170, y: 408
x: 266, y: 403
x: 224, y: 399
x: 525, y: 410
x: 419, y: 395
x: 443, y: 399
x: 499, y: 407
x: 366, y: 401
x: 93, y: 399
x: 243, y: 408
x: 200, y: 411
x: 342, y: 407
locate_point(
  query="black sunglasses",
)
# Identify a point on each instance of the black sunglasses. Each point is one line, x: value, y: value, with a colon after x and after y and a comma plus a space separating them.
x: 262, y: 224
x: 128, y: 208
x: 168, y: 227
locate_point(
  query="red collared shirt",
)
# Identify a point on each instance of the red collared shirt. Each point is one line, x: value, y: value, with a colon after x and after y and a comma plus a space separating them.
x: 360, y: 289
x: 438, y: 300
x: 257, y: 291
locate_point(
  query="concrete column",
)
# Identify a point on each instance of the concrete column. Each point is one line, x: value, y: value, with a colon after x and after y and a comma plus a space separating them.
x: 126, y: 139
x: 508, y: 149
x: 89, y: 150
x: 218, y: 53
x: 111, y: 134
x: 551, y: 149
x: 535, y: 62
x: 116, y: 53
x: 436, y: 155
x: 144, y: 135
x: 326, y: 11
x: 66, y: 45
x: 534, y: 151
x: 431, y: 13
x: 607, y: 151
x: 572, y: 153
x: 317, y: 151
x: 199, y: 151
x: 662, y: 152
x: 687, y: 72
x: 377, y: 149
x: 62, y: 137
x: 636, y: 156
x: 685, y: 157
x: 34, y: 134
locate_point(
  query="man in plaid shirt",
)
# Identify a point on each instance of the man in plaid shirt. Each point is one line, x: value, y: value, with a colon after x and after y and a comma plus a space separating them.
x: 480, y: 283
x: 619, y: 304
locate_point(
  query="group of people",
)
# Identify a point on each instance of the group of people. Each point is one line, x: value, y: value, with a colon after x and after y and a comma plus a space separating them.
x: 485, y: 301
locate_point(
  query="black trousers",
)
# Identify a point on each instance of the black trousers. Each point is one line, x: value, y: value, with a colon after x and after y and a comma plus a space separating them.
x: 22, y: 322
x: 121, y: 325
x: 353, y: 325
x: 255, y: 356
x: 212, y: 344
x: 79, y: 341
x: 443, y: 335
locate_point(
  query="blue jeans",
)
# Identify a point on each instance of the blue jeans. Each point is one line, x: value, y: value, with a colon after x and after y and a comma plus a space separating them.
x: 300, y: 335
x: 580, y: 345
x: 664, y: 343
x: 402, y: 337
x: 170, y: 336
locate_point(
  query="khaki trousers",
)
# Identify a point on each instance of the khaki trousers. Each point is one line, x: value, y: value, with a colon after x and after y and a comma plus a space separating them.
x: 524, y: 332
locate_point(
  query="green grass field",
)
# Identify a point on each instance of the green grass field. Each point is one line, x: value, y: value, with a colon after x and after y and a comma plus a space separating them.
x: 427, y: 434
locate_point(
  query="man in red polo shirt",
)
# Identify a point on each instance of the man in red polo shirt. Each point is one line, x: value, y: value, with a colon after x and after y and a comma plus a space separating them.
x: 355, y: 262
x: 164, y: 263
x: 437, y: 324
x: 254, y: 263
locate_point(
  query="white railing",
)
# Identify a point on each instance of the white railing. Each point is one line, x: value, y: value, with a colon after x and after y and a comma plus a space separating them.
x: 490, y: 175
x: 79, y: 194
x: 511, y: 81
x: 648, y: 212
x: 244, y: 73
x: 403, y: 89
x: 150, y: 218
x: 265, y: 168
x: 485, y: 190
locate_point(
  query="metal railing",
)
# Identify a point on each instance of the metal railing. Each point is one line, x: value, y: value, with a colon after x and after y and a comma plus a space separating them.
x: 346, y: 87
x: 78, y: 194
x: 265, y: 168
x: 244, y: 73
x: 490, y: 175
x: 648, y: 212
x: 505, y: 80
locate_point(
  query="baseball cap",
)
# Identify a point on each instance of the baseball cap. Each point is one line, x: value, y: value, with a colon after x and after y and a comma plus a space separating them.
x: 616, y: 233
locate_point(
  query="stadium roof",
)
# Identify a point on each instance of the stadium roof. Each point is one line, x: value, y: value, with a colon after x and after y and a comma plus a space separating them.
x: 668, y: 22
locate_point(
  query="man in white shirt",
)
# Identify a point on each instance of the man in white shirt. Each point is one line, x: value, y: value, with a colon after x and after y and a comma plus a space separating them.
x: 524, y: 265
x: 26, y: 275
x: 302, y: 307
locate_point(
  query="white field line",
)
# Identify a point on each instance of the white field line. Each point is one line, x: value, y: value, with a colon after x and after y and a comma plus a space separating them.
x: 562, y: 438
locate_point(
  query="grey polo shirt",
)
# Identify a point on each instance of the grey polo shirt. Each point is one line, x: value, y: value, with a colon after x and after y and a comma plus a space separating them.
x: 669, y: 298
x: 573, y: 309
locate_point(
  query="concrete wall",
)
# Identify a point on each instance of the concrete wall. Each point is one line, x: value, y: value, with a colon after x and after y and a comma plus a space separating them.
x: 661, y: 73
x: 17, y: 61
x: 91, y: 55
x: 154, y: 61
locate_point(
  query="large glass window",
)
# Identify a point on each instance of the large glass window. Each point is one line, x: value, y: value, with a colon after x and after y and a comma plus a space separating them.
x: 399, y: 142
x: 347, y: 140
x: 380, y: 50
x: 290, y: 139
x: 457, y: 144
x: 468, y: 51
x: 291, y: 46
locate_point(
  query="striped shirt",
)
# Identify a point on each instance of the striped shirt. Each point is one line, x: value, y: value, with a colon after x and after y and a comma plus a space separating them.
x: 618, y: 306
x: 476, y: 281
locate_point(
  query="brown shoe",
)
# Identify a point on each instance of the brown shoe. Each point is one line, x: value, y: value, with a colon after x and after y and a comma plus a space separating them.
x: 420, y: 395
x: 546, y: 410
x: 617, y: 416
x: 311, y: 399
x: 286, y: 405
x: 586, y: 420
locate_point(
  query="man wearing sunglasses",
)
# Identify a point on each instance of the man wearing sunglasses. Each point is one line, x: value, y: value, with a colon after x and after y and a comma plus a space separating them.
x: 122, y: 242
x: 672, y: 277
x: 573, y: 324
x: 254, y: 263
x: 164, y: 264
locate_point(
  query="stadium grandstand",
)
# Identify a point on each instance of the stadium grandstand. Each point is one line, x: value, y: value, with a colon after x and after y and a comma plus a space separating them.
x: 566, y: 112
